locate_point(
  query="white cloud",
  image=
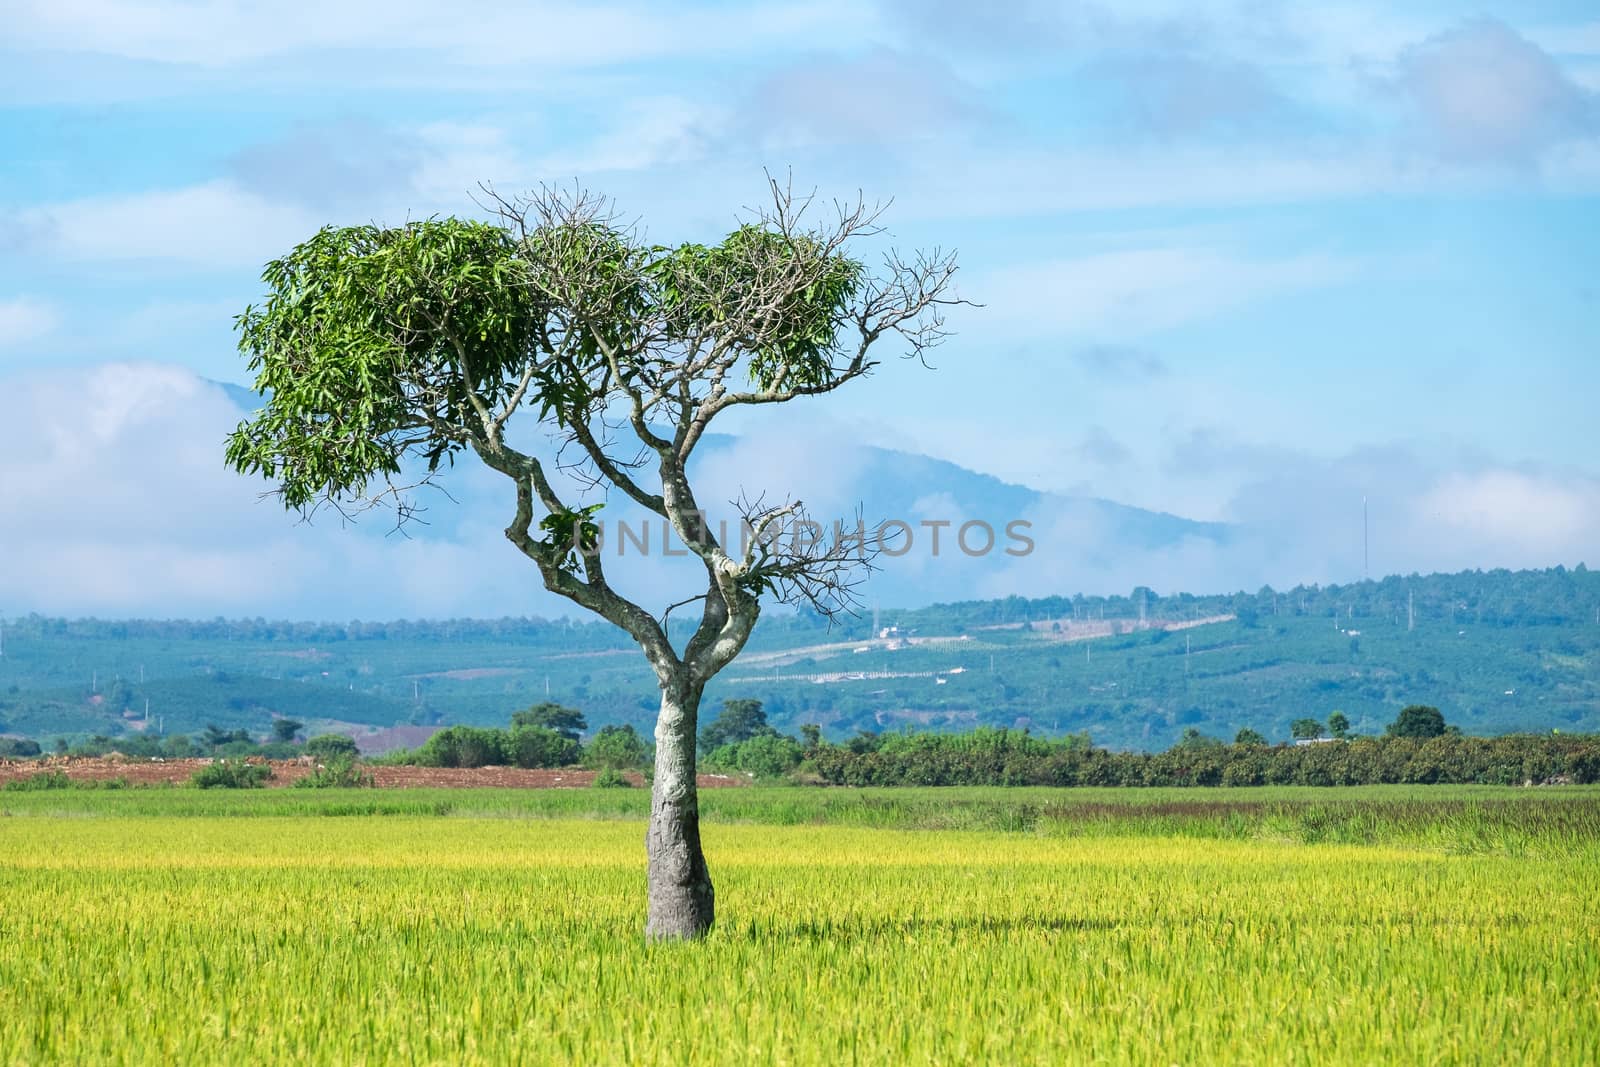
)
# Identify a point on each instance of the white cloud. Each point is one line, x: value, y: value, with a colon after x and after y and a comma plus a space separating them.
x: 639, y: 134
x: 118, y: 502
x: 1131, y: 292
x: 502, y: 33
x: 1513, y: 511
x: 216, y: 223
x: 24, y: 319
x: 1486, y: 93
x: 1297, y: 519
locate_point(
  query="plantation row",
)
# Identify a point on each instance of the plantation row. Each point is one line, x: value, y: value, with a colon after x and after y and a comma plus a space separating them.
x: 1009, y: 757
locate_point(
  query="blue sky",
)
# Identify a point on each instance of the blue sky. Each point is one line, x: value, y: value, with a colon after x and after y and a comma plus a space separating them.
x: 1236, y: 261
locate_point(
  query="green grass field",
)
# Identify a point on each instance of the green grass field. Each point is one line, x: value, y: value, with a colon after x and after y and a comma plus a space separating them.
x: 897, y: 926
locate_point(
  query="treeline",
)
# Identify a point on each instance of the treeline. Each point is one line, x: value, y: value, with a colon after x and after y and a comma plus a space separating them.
x: 1011, y: 757
x: 1419, y: 747
x: 526, y: 745
x: 284, y: 742
x: 1554, y: 596
x: 543, y: 736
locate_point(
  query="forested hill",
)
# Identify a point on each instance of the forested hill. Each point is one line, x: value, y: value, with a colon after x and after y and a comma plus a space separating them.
x: 1497, y: 650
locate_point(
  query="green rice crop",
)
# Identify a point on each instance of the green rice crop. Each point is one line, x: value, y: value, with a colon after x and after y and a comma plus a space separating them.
x: 446, y: 937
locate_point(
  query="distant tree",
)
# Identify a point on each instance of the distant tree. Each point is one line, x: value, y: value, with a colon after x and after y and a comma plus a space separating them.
x: 568, y: 722
x: 616, y: 747
x: 215, y: 737
x: 740, y: 720
x: 1338, y: 725
x: 1305, y: 729
x: 865, y: 741
x: 1417, y: 720
x: 20, y: 747
x: 539, y: 746
x: 232, y: 774
x: 285, y: 729
x: 463, y: 746
x: 327, y: 747
x: 1248, y: 736
x: 764, y: 756
x: 1193, y: 738
x: 810, y: 735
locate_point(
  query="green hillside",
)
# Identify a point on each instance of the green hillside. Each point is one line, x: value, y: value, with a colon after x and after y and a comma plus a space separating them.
x: 1498, y: 651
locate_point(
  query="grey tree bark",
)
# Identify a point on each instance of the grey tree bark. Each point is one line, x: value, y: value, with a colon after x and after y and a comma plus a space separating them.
x: 682, y: 903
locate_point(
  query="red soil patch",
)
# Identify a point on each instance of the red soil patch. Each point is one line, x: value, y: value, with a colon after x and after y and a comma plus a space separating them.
x: 285, y: 772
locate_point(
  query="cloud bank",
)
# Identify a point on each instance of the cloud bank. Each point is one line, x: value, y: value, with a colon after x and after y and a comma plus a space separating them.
x: 118, y: 504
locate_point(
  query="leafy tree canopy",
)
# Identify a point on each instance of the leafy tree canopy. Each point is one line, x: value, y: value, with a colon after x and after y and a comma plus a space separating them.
x: 740, y: 720
x: 568, y: 722
x: 617, y: 748
x: 1417, y: 720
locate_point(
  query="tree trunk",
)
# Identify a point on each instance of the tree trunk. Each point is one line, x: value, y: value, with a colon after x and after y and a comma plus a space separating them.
x: 682, y: 904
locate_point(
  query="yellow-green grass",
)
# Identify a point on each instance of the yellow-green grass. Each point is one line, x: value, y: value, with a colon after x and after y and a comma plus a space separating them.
x: 501, y: 940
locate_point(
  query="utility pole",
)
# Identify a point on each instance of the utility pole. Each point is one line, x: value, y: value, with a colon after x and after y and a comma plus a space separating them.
x: 1366, y: 568
x: 1411, y: 610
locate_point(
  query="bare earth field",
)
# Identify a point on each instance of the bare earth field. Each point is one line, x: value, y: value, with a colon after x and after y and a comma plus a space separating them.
x: 286, y: 772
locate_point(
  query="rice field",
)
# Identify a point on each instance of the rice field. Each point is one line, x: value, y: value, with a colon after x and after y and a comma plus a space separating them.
x: 1414, y: 926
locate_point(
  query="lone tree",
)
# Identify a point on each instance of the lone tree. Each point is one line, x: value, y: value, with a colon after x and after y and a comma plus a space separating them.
x: 379, y: 345
x: 740, y: 720
x: 1305, y: 729
x: 1417, y: 720
x: 568, y: 722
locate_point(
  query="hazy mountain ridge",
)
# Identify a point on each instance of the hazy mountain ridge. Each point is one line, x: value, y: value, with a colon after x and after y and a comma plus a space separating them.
x: 840, y: 481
